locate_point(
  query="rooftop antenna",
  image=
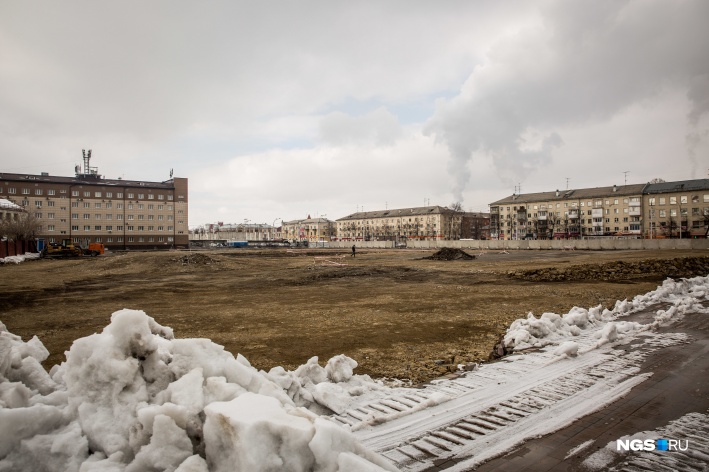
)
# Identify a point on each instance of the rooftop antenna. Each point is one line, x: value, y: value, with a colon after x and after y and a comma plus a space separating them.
x: 626, y: 176
x: 567, y: 183
x: 170, y: 173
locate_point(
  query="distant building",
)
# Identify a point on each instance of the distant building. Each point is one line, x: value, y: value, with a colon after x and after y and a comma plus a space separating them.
x: 235, y: 232
x: 638, y: 210
x: 430, y: 222
x: 122, y: 214
x: 308, y: 229
x: 9, y: 210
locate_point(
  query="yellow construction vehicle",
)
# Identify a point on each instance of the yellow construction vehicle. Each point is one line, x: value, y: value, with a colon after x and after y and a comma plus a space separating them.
x: 64, y: 249
x: 68, y: 249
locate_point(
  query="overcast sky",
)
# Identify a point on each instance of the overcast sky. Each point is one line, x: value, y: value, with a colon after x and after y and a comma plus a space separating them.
x: 280, y: 110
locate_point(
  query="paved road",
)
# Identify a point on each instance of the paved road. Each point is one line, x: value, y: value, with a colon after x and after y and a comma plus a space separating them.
x: 679, y: 385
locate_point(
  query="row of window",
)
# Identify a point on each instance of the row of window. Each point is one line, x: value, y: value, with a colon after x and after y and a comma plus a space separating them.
x: 119, y: 239
x: 110, y: 228
x: 87, y: 194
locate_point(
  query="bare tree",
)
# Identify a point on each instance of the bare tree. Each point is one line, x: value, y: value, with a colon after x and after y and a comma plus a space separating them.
x: 26, y: 227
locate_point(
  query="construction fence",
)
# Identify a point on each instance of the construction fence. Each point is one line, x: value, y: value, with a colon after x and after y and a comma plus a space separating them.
x: 560, y: 245
x: 16, y: 248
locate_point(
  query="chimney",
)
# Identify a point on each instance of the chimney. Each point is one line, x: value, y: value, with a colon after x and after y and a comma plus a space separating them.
x: 615, y: 188
x: 557, y: 192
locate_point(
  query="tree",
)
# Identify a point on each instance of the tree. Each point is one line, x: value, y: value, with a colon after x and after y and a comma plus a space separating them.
x: 26, y: 227
x: 454, y: 220
x: 657, y: 180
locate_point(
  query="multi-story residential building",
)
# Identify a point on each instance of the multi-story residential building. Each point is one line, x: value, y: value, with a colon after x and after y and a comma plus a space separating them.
x: 308, y: 229
x: 236, y: 232
x: 589, y: 212
x: 430, y: 222
x: 653, y: 210
x: 669, y: 206
x: 121, y: 214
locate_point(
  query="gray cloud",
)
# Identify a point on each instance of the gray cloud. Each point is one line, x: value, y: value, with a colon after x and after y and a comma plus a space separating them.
x: 582, y: 63
x: 378, y: 128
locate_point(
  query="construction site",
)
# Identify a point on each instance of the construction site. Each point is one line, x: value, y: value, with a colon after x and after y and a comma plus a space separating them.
x: 406, y: 314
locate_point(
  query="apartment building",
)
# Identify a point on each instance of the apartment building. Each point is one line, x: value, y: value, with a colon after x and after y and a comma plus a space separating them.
x: 677, y: 209
x: 429, y: 222
x: 9, y: 210
x: 589, y: 212
x: 87, y: 208
x: 653, y: 210
x: 308, y: 229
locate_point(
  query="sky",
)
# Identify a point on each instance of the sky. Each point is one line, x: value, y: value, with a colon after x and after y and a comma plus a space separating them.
x: 279, y: 110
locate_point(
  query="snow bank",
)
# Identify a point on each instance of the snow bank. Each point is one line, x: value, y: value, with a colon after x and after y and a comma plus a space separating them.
x: 550, y: 328
x: 28, y: 256
x: 134, y: 398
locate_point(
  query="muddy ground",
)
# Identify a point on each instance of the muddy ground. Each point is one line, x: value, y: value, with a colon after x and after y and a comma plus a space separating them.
x: 395, y: 313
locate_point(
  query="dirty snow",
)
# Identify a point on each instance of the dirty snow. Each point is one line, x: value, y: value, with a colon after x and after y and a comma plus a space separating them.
x: 134, y: 398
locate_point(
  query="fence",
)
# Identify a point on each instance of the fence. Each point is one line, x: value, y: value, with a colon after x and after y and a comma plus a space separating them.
x: 573, y: 244
x: 14, y: 248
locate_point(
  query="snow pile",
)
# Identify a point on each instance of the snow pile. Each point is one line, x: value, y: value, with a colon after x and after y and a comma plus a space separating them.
x: 28, y: 256
x: 134, y: 398
x: 684, y: 295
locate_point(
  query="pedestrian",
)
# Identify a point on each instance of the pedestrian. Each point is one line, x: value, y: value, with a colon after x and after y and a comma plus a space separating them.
x: 353, y: 250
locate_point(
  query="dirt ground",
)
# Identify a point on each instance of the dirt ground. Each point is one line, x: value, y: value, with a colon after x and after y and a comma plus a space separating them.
x: 395, y: 313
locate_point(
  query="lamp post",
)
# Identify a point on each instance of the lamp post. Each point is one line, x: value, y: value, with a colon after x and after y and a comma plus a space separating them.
x: 273, y: 225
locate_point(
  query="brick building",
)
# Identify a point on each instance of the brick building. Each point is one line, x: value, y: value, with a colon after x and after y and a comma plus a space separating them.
x: 122, y: 214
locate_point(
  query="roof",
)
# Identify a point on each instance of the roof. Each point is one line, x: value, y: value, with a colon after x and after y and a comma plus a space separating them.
x: 307, y: 221
x: 678, y: 186
x: 572, y: 194
x: 398, y: 213
x: 168, y: 184
x: 8, y: 205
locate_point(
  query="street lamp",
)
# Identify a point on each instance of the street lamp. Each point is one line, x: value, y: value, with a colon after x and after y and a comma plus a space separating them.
x: 273, y: 225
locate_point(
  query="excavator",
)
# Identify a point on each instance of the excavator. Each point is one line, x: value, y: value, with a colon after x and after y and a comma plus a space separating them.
x: 67, y: 248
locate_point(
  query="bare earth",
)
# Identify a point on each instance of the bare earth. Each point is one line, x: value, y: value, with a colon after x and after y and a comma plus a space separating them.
x: 395, y: 313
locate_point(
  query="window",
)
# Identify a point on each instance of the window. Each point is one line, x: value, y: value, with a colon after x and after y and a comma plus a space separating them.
x: 109, y: 205
x: 109, y: 239
x: 130, y: 239
x: 38, y: 191
x: 129, y: 228
x: 169, y: 197
x: 119, y: 206
x: 97, y: 228
x: 97, y: 216
x: 87, y: 205
x: 74, y: 193
x: 683, y: 199
x: 38, y: 204
x: 119, y: 216
x: 161, y: 197
x: 663, y: 213
x: 50, y: 203
x: 25, y: 191
x: 141, y: 228
x: 97, y: 194
x: 75, y: 228
x: 160, y: 207
x: 151, y: 228
x: 141, y: 196
x: 38, y: 215
x: 87, y: 216
x: 75, y: 216
x: 130, y: 195
x: 651, y: 201
x: 150, y: 217
x: 170, y: 228
x: 130, y: 217
x: 151, y: 196
x: 109, y: 228
x: 662, y: 200
x: 109, y: 216
x: 87, y: 228
x: 673, y: 212
x: 151, y: 207
x: 673, y: 200
x: 97, y: 205
x: 141, y: 217
x: 119, y: 195
x: 119, y: 228
x: 87, y: 194
x: 109, y: 194
x: 12, y: 190
x: 75, y: 204
x: 141, y: 206
x: 50, y: 216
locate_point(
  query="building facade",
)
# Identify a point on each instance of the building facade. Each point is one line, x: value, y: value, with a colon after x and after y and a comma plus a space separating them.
x: 429, y: 223
x: 87, y: 208
x: 677, y: 209
x: 10, y: 210
x: 617, y: 211
x: 308, y: 229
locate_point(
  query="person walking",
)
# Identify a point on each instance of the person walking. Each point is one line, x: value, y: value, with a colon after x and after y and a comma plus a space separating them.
x: 353, y: 250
